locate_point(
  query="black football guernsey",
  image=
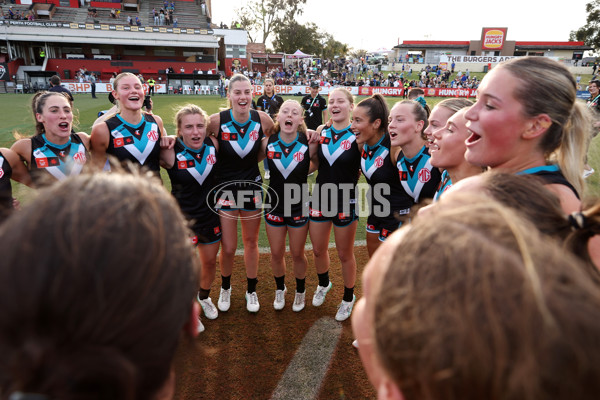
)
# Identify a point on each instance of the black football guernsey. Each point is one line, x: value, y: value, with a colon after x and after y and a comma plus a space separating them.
x: 139, y: 143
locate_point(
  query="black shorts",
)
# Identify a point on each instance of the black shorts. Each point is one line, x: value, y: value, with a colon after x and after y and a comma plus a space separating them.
x: 382, y: 226
x: 206, y: 235
x: 294, y: 221
x: 238, y: 196
x: 340, y: 219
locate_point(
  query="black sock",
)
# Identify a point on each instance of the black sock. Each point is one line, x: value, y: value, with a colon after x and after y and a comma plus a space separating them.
x: 203, y: 293
x: 348, y: 294
x: 324, y: 279
x: 226, y: 282
x: 280, y: 282
x: 252, y: 284
x: 300, y: 285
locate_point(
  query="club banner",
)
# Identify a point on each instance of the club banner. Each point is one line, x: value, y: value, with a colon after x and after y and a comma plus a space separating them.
x: 298, y: 90
x: 473, y: 59
x: 86, y: 87
x: 291, y: 90
x: 430, y: 92
x: 4, y: 72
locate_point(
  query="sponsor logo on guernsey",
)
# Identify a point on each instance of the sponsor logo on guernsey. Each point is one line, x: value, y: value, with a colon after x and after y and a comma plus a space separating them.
x: 130, y: 145
x: 332, y: 150
x: 79, y: 157
x: 152, y: 136
x: 424, y: 175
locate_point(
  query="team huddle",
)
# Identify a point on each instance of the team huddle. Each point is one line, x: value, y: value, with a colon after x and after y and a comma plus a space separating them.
x: 503, y: 175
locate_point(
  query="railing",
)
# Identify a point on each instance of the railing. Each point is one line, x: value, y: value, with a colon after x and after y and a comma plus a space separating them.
x: 111, y: 27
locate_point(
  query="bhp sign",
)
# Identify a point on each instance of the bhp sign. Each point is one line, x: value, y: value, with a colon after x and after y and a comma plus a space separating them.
x: 493, y: 39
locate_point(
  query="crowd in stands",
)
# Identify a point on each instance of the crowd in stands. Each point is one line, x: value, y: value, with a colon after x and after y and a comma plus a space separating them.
x: 359, y: 73
x: 164, y: 16
x: 17, y: 15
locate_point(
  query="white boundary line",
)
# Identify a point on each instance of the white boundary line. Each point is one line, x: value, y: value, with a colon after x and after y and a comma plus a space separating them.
x: 304, y: 375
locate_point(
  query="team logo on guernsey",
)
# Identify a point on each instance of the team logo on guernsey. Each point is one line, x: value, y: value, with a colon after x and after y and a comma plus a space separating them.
x: 45, y: 162
x: 185, y: 164
x: 211, y: 159
x: 333, y: 149
x: 122, y: 141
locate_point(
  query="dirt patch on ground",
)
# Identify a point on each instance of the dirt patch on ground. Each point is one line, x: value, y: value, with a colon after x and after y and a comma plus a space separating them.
x: 244, y: 356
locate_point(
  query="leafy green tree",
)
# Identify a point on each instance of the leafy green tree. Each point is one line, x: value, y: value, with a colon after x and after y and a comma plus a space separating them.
x: 590, y: 32
x: 293, y: 36
x: 260, y: 17
x: 332, y: 47
x: 309, y: 39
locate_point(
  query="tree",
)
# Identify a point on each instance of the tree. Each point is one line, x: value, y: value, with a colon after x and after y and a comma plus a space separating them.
x: 332, y: 47
x: 360, y: 53
x: 309, y: 39
x: 260, y: 18
x: 590, y: 32
x: 293, y: 36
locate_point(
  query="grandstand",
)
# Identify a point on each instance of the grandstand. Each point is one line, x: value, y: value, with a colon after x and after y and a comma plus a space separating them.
x: 66, y: 36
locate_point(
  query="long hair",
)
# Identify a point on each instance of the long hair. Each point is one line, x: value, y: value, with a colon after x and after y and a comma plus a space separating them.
x: 476, y: 304
x: 98, y: 279
x: 548, y: 87
x: 376, y: 108
x: 37, y: 106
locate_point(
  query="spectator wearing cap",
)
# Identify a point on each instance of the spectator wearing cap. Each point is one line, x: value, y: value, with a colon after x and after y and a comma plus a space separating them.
x: 55, y: 86
x: 315, y: 107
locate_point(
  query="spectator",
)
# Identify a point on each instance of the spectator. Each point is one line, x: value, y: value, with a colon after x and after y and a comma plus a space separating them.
x: 315, y: 107
x: 93, y: 82
x: 138, y: 22
x: 55, y: 86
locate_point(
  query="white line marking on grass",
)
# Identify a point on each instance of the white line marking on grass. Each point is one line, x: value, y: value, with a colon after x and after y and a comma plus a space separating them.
x: 305, y: 373
x: 267, y: 250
